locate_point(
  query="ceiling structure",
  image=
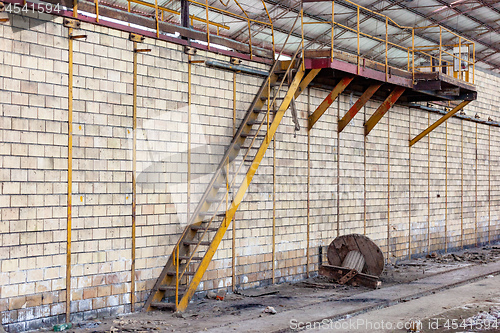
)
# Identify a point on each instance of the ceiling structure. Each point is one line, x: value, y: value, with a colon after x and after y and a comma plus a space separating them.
x: 475, y: 20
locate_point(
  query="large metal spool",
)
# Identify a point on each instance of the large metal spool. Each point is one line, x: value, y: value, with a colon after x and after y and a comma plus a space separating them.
x: 356, y: 252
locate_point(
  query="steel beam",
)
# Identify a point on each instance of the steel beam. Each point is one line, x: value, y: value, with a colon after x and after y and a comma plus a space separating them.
x: 383, y: 108
x: 332, y: 96
x: 357, y: 106
x: 439, y: 122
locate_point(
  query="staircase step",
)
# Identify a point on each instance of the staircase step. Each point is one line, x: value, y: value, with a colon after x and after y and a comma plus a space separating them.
x: 172, y: 273
x: 200, y: 227
x: 263, y: 98
x: 172, y: 288
x: 213, y: 213
x: 164, y: 306
x: 196, y: 243
x: 256, y: 122
x: 246, y: 135
x: 188, y: 257
x: 214, y: 200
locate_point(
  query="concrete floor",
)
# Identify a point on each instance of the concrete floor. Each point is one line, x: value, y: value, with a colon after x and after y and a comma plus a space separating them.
x: 420, y: 290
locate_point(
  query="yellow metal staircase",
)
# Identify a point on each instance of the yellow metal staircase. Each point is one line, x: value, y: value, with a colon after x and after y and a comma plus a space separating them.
x: 199, y: 241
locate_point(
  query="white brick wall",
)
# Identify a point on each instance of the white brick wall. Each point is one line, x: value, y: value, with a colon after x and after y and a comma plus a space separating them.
x: 33, y: 173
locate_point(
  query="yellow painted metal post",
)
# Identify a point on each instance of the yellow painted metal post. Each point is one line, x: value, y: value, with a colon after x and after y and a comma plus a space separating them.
x: 358, y: 35
x: 446, y: 192
x: 208, y: 27
x: 388, y: 178
x: 96, y: 2
x: 476, y: 212
x: 308, y: 184
x: 70, y: 172
x: 413, y: 53
x: 462, y: 185
x: 233, y: 240
x: 489, y: 184
x: 189, y: 141
x: 273, y: 264
x: 409, y: 186
x: 386, y: 49
x: 134, y: 179
x: 302, y: 28
x: 440, y: 48
x: 333, y: 31
x: 429, y: 247
x: 156, y: 20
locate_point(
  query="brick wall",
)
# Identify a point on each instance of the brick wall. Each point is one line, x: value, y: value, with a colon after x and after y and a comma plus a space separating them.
x: 33, y: 174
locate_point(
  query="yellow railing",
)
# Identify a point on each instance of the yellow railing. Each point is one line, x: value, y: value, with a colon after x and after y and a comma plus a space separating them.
x: 453, y: 54
x: 163, y: 13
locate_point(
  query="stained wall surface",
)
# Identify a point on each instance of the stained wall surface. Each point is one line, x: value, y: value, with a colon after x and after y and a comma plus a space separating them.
x: 443, y: 194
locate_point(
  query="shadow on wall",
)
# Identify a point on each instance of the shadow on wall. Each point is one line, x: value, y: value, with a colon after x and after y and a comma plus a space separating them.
x: 20, y: 16
x: 162, y: 158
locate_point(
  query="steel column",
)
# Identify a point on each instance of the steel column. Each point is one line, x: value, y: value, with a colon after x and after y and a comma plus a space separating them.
x: 70, y: 173
x: 439, y: 122
x: 332, y: 96
x: 382, y: 110
x: 357, y: 106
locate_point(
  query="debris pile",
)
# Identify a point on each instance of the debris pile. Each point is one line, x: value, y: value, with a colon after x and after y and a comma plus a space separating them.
x: 480, y: 257
x: 485, y: 318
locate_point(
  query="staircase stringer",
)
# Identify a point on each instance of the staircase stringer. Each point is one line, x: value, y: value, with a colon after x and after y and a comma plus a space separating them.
x: 207, y: 258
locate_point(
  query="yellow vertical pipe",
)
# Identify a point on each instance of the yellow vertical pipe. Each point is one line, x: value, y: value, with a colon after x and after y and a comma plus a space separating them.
x: 489, y: 184
x: 413, y: 54
x: 156, y: 20
x: 70, y: 172
x: 189, y: 142
x: 358, y: 42
x: 386, y: 48
x: 388, y: 180
x: 473, y: 63
x: 233, y: 240
x: 462, y: 185
x: 409, y: 186
x: 208, y: 26
x: 308, y: 182
x: 96, y: 2
x: 338, y: 168
x: 476, y: 215
x: 302, y: 29
x: 333, y: 30
x: 134, y: 179
x: 446, y: 191
x: 273, y: 264
x: 364, y: 179
x: 429, y: 185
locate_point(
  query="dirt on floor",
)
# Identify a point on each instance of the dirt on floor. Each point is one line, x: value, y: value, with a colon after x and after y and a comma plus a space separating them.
x: 209, y: 312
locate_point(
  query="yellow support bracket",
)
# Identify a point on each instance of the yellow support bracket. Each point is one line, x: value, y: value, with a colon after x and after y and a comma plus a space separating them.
x: 332, y: 96
x: 195, y: 281
x: 382, y: 110
x: 357, y: 106
x: 439, y: 122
